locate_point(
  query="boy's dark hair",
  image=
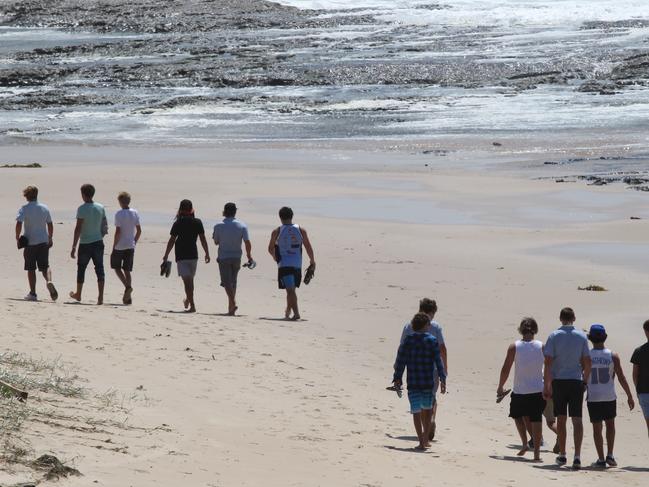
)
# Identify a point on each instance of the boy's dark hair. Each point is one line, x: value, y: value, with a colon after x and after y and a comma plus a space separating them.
x: 229, y: 210
x: 567, y: 315
x: 88, y: 190
x: 285, y: 213
x: 420, y: 321
x: 31, y: 193
x: 428, y: 305
x: 528, y: 326
x: 645, y: 327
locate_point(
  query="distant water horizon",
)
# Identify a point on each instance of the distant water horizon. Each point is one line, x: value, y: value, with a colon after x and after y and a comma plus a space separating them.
x: 383, y: 69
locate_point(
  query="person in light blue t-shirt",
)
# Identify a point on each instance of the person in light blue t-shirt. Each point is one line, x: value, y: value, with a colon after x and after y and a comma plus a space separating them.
x: 89, y: 233
x: 35, y: 223
x: 567, y: 370
x: 228, y: 236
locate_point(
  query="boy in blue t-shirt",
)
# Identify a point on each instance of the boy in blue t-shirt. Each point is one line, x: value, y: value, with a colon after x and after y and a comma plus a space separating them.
x: 419, y: 353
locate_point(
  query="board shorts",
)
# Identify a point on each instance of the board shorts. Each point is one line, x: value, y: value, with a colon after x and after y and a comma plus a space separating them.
x: 568, y: 397
x: 37, y: 256
x: 229, y: 270
x: 94, y: 252
x: 122, y: 259
x: 601, y: 410
x: 643, y: 399
x: 289, y: 277
x: 420, y: 399
x: 527, y: 405
x: 187, y: 267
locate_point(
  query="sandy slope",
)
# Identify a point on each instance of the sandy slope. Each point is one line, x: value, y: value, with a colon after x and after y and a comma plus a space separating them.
x: 255, y: 400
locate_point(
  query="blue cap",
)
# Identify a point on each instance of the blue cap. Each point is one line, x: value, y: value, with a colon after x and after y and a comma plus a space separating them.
x: 597, y: 331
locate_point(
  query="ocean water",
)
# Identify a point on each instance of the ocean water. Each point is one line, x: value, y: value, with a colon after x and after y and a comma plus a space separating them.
x: 405, y: 69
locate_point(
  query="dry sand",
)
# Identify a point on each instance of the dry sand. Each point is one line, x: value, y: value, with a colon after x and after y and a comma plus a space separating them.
x: 253, y: 400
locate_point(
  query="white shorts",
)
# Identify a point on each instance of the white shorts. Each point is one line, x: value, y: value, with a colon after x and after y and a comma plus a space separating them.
x: 187, y: 268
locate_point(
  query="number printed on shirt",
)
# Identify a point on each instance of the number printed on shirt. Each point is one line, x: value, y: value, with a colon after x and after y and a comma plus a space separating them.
x: 600, y: 376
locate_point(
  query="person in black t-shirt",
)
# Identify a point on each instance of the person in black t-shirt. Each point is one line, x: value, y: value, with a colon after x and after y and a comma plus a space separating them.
x: 184, y: 233
x: 640, y: 361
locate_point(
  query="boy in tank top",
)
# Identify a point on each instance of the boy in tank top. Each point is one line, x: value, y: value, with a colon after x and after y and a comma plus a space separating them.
x: 527, y: 403
x: 601, y: 399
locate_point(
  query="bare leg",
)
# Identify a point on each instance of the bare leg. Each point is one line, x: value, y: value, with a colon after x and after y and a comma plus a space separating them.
x: 416, y: 418
x: 31, y: 278
x: 122, y: 277
x: 433, y: 426
x: 77, y: 295
x: 610, y: 436
x: 232, y: 303
x: 598, y: 439
x: 562, y: 432
x: 189, y: 293
x: 291, y: 303
x: 647, y: 420
x: 578, y: 434
x: 426, y: 415
x: 100, y: 292
x: 522, y: 432
x: 536, y: 436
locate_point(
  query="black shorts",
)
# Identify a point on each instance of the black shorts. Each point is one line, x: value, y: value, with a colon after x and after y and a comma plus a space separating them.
x: 37, y: 256
x: 530, y: 405
x: 601, y: 411
x: 289, y: 277
x: 568, y: 396
x: 122, y: 259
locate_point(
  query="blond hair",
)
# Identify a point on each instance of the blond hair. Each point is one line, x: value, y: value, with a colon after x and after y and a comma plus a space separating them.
x: 124, y: 198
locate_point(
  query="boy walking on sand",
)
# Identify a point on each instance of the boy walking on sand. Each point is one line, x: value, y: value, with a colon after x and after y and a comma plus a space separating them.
x: 429, y: 307
x: 285, y: 247
x: 34, y: 218
x: 127, y: 234
x: 601, y: 399
x: 640, y: 361
x: 228, y: 236
x: 89, y: 234
x: 419, y: 354
x: 566, y: 374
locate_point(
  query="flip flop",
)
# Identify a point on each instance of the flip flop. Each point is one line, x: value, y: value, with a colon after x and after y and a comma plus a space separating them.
x: 396, y: 389
x: 502, y: 396
x: 53, y: 292
x: 309, y: 274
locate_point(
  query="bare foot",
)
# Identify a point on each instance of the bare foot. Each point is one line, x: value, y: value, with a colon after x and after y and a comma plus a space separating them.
x: 537, y: 458
x: 126, y: 299
x: 287, y: 313
x: 75, y: 296
x: 522, y: 451
x: 192, y: 309
x: 420, y: 447
x: 186, y: 303
x: 232, y: 311
x: 100, y: 300
x: 295, y: 318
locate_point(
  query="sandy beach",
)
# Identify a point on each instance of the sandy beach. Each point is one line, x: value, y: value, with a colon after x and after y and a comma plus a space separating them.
x: 211, y: 400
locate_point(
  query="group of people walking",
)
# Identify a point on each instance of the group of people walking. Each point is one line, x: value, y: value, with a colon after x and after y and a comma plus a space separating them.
x: 35, y: 231
x: 550, y: 380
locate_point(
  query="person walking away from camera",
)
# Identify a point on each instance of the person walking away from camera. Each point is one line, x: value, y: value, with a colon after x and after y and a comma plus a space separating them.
x: 228, y: 236
x: 527, y: 403
x: 89, y: 233
x: 419, y: 355
x: 640, y: 361
x: 567, y: 370
x: 601, y: 399
x: 184, y: 233
x: 35, y: 221
x: 429, y: 307
x: 127, y: 234
x: 285, y: 247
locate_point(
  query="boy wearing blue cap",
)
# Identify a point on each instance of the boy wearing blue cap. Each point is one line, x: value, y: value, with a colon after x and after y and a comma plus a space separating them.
x: 601, y: 399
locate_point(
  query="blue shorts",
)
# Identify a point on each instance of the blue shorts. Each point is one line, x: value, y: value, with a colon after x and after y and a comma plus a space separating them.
x: 289, y: 277
x: 643, y: 399
x: 420, y: 399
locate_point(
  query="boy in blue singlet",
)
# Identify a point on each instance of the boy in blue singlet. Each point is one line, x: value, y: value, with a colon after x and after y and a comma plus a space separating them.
x: 285, y: 247
x: 601, y: 399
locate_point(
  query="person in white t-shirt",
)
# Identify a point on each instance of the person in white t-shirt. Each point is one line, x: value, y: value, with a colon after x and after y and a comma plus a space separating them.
x: 527, y: 402
x: 127, y: 234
